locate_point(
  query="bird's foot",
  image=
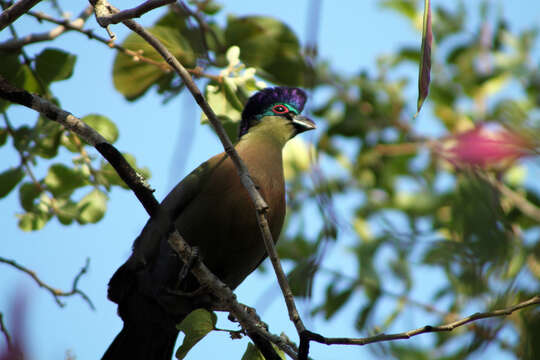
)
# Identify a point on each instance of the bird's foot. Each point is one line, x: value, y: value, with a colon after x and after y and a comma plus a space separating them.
x: 252, y: 312
x: 193, y: 257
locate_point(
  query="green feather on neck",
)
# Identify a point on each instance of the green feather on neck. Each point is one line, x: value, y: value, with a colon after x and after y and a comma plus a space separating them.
x: 275, y: 129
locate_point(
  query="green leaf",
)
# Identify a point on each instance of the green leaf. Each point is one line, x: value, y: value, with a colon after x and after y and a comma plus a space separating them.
x: 16, y: 74
x: 3, y: 136
x: 22, y: 137
x: 54, y: 65
x: 268, y: 44
x: 425, y: 57
x: 67, y: 141
x: 196, y: 326
x: 301, y: 278
x: 102, y: 125
x: 133, y: 75
x: 224, y: 109
x: 28, y: 192
x: 62, y: 180
x: 107, y: 176
x: 33, y: 221
x: 252, y: 353
x: 47, y: 135
x: 404, y: 7
x: 210, y: 7
x: 9, y: 179
x: 66, y: 211
x: 92, y: 207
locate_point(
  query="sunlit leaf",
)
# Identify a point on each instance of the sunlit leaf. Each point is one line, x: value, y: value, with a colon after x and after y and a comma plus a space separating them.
x: 134, y: 74
x: 102, y: 125
x: 195, y: 326
x: 92, y: 207
x: 404, y: 7
x: 252, y: 353
x: 28, y: 192
x: 62, y: 180
x: 108, y: 175
x: 47, y: 138
x: 297, y: 155
x: 54, y: 65
x: 268, y: 44
x: 33, y: 221
x: 66, y: 211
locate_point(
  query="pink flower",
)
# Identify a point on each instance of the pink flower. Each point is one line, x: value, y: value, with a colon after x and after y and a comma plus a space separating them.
x: 486, y: 146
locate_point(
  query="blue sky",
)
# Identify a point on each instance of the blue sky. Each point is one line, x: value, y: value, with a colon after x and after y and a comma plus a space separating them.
x: 351, y: 35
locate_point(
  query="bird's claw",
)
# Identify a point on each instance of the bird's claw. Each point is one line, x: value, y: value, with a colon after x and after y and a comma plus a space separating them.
x: 190, y: 294
x: 251, y: 311
x: 193, y: 257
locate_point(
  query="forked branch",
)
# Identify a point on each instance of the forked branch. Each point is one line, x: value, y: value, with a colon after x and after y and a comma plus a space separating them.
x: 56, y: 293
x: 425, y: 329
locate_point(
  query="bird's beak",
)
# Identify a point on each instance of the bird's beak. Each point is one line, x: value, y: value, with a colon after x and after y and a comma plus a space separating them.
x: 302, y: 123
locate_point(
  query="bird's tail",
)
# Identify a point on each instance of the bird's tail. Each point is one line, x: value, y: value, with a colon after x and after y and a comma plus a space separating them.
x: 149, y: 332
x: 145, y: 342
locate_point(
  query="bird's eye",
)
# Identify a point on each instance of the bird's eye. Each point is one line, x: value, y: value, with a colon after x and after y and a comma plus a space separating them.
x: 280, y: 109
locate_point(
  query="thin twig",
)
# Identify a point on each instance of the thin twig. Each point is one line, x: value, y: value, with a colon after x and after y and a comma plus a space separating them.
x: 518, y: 200
x: 398, y: 149
x: 56, y: 293
x: 203, y: 27
x: 259, y: 202
x: 23, y: 157
x: 426, y: 329
x: 108, y: 19
x: 260, y: 205
x: 17, y: 43
x: 145, y: 196
x: 5, y: 331
x: 13, y: 12
x: 207, y: 279
x: 74, y: 26
x: 76, y: 125
x: 369, y: 283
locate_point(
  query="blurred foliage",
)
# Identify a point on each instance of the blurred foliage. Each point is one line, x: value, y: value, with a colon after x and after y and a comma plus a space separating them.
x: 410, y: 212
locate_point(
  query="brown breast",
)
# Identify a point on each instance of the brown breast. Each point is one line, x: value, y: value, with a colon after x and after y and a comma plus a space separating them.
x: 221, y: 220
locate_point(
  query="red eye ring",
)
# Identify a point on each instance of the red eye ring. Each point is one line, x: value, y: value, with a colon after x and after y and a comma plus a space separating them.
x: 280, y: 109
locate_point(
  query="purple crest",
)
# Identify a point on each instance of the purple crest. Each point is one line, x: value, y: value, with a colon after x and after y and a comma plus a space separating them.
x: 261, y: 100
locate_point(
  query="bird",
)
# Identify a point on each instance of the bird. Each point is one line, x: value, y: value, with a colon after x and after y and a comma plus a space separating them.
x: 213, y: 212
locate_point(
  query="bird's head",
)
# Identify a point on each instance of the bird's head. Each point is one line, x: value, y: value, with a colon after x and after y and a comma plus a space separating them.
x: 275, y: 112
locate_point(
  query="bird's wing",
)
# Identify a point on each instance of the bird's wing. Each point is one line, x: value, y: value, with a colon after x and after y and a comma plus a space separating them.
x: 146, y: 246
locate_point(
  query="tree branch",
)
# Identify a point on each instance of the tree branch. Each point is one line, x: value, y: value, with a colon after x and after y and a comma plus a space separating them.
x: 5, y: 331
x: 56, y: 293
x: 107, y: 18
x: 425, y: 329
x: 518, y: 200
x: 76, y: 125
x: 77, y: 26
x: 17, y: 43
x: 13, y: 12
x: 145, y: 196
x: 102, y: 6
x: 207, y: 279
